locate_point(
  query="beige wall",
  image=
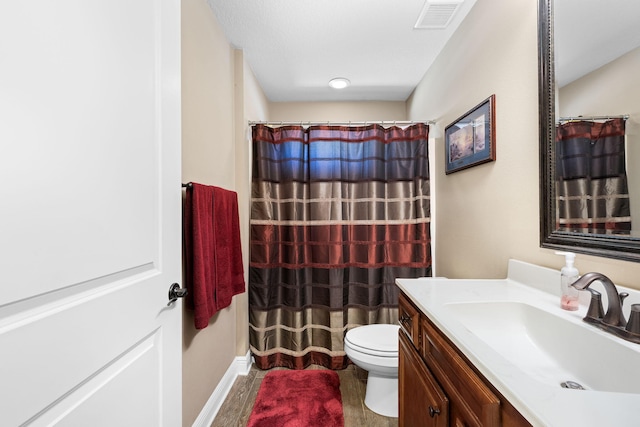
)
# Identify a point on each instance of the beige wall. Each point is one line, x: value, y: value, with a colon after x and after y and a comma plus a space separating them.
x: 612, y: 90
x: 251, y: 105
x: 337, y: 111
x: 490, y: 213
x: 215, y: 152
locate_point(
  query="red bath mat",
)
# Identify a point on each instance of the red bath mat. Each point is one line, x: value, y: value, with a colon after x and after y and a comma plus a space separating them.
x: 290, y: 398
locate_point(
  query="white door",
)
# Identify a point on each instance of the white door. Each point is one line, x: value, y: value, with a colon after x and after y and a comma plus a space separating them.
x: 90, y: 212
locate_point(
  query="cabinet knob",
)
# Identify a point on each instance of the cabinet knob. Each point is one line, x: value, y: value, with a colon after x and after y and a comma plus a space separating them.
x: 433, y: 411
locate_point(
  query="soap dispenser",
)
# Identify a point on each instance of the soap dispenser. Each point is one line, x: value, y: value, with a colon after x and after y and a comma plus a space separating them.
x: 568, y: 275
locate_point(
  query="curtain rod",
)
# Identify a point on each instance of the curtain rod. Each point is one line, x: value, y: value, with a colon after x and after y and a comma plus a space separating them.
x: 329, y: 123
x: 570, y: 119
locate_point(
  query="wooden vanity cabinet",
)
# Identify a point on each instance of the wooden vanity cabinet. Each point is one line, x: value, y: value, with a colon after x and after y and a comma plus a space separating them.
x: 438, y: 386
x: 422, y: 403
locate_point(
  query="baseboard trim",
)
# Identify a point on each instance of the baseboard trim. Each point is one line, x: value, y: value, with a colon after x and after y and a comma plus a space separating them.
x: 240, y: 366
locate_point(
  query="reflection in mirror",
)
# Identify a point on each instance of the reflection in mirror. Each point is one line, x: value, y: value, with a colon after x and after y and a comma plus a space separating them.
x: 592, y: 194
x: 590, y: 126
x: 597, y: 57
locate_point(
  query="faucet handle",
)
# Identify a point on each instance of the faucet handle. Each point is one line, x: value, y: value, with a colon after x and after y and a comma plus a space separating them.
x: 633, y: 325
x: 595, y: 310
x: 622, y: 296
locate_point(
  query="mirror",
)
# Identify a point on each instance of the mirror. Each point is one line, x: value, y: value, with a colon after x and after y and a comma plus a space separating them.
x: 589, y: 56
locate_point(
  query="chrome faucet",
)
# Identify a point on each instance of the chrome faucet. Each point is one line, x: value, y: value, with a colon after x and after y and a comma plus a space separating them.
x: 613, y: 320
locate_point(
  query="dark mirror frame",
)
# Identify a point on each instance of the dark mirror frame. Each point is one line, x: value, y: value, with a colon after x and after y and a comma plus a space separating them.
x: 610, y: 246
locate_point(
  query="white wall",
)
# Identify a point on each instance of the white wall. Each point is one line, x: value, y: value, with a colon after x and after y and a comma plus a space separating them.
x: 490, y: 213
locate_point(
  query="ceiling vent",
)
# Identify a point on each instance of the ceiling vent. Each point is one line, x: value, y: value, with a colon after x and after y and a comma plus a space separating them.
x: 437, y: 14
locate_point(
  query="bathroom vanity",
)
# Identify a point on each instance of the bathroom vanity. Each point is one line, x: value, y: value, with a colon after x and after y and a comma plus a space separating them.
x: 438, y: 386
x: 503, y: 353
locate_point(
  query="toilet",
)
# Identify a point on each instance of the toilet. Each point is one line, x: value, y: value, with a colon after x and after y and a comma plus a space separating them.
x: 374, y: 348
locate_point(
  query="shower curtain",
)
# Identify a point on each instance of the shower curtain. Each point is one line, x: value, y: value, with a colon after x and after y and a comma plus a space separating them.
x: 337, y: 213
x: 591, y: 178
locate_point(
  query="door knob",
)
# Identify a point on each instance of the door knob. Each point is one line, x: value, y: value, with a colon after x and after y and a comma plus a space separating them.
x: 175, y: 292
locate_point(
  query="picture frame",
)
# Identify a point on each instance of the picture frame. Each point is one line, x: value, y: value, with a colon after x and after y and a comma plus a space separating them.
x: 471, y: 139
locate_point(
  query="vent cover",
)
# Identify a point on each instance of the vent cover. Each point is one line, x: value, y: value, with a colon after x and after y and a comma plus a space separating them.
x: 437, y: 14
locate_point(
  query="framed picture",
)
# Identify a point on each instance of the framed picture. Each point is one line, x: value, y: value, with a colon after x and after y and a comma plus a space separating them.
x: 471, y: 139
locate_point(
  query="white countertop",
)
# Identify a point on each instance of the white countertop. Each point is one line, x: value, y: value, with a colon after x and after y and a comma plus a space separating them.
x: 542, y: 404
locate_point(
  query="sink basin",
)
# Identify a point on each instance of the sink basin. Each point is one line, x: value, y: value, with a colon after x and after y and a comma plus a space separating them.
x: 550, y: 348
x: 515, y: 334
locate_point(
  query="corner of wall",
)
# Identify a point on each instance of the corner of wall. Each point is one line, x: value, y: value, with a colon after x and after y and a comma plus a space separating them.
x: 250, y: 103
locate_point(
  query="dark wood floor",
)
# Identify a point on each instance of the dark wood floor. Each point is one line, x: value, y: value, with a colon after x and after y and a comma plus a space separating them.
x: 237, y: 406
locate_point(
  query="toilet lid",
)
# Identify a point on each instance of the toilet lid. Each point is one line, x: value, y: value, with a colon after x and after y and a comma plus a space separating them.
x: 380, y: 339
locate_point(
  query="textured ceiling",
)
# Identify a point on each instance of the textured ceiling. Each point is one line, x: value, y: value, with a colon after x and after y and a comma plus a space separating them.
x: 294, y: 47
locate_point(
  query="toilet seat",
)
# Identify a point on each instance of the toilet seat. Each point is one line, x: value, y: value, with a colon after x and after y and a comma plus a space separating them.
x: 377, y: 340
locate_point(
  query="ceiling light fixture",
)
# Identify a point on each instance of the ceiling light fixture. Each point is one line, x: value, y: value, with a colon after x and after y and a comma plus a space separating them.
x: 339, y: 83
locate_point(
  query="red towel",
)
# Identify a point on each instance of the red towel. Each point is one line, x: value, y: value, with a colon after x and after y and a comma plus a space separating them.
x: 213, y: 255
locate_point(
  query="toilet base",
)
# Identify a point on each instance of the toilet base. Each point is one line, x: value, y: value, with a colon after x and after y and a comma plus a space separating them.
x: 382, y: 395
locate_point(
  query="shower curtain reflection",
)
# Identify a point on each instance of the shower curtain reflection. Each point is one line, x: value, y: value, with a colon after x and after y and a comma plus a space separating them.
x: 591, y: 178
x: 337, y: 214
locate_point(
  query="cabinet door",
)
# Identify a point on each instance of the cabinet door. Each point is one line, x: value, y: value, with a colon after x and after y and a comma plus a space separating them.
x: 422, y: 401
x: 473, y: 404
x: 409, y: 319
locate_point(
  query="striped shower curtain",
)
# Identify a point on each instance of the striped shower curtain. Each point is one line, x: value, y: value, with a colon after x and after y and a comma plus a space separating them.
x: 337, y: 213
x: 591, y: 178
